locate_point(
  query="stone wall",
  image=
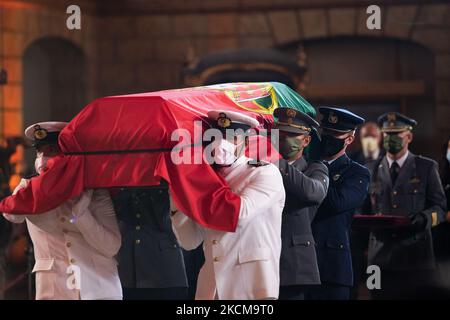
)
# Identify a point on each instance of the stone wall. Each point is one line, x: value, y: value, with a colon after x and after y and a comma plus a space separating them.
x: 20, y: 28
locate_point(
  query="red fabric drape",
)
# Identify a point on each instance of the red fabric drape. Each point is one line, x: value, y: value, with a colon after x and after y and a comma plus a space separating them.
x: 125, y: 141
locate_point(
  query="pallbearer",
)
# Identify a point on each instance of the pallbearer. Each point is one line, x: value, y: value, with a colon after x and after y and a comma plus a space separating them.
x: 75, y: 243
x: 243, y: 264
x: 306, y: 185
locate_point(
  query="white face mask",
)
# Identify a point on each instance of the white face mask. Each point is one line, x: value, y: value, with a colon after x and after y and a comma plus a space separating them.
x: 448, y: 155
x: 369, y: 144
x: 40, y: 163
x: 224, y: 152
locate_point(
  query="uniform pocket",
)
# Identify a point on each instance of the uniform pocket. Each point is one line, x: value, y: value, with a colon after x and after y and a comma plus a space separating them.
x: 255, y: 254
x: 168, y: 244
x: 43, y: 264
x: 337, y: 244
x: 302, y: 240
x: 45, y: 279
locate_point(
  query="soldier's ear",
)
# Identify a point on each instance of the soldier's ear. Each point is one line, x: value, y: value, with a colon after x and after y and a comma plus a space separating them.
x: 350, y: 139
x: 410, y: 136
x: 307, y: 140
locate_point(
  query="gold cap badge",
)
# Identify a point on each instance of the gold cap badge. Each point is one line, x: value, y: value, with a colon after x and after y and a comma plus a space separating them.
x: 291, y: 113
x: 223, y: 121
x: 332, y: 118
x: 391, y: 117
x: 40, y: 133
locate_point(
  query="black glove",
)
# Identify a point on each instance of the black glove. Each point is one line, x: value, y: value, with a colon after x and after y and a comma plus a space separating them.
x: 418, y: 221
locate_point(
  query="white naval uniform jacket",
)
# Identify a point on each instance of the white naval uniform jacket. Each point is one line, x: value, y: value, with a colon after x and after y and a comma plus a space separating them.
x: 242, y: 264
x: 87, y: 244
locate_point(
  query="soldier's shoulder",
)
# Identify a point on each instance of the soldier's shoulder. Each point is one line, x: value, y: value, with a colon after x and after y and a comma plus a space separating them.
x: 359, y: 168
x: 317, y: 165
x: 258, y: 163
x: 425, y: 161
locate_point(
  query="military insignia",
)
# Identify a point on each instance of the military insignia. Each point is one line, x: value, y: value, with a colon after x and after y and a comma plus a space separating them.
x: 258, y: 163
x: 332, y: 118
x: 434, y: 219
x: 414, y: 180
x: 223, y: 121
x: 336, y: 177
x: 40, y: 133
x: 291, y: 113
x: 391, y: 117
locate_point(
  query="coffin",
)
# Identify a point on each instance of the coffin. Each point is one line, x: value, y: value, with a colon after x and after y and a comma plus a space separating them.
x: 125, y: 141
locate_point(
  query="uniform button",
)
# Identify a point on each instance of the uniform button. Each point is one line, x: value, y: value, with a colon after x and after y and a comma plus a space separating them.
x: 394, y: 193
x: 415, y: 190
x: 308, y: 243
x: 68, y: 244
x: 62, y: 219
x: 216, y: 259
x: 138, y: 241
x: 138, y: 215
x: 215, y: 242
x: 72, y: 260
x: 341, y: 246
x: 175, y: 246
x: 138, y: 228
x: 394, y: 206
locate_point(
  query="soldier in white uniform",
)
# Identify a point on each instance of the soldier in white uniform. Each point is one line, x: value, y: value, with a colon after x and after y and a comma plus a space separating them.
x: 75, y: 243
x: 243, y: 264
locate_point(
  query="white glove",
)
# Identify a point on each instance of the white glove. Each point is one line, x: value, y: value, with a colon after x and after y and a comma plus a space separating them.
x: 80, y: 204
x: 15, y: 218
x: 22, y: 185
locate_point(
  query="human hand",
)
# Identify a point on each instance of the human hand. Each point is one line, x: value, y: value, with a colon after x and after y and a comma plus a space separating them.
x: 22, y: 185
x: 80, y: 204
x: 418, y: 221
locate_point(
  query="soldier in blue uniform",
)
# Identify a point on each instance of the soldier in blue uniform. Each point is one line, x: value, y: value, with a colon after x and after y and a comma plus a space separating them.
x: 348, y: 188
x: 306, y: 185
x: 404, y: 184
x: 151, y: 264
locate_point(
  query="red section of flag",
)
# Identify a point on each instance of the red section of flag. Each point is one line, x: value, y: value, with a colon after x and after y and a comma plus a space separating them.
x: 126, y: 141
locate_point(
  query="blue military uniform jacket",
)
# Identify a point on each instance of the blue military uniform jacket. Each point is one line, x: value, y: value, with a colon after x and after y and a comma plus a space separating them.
x: 150, y: 256
x: 306, y: 186
x: 417, y: 190
x: 349, y: 182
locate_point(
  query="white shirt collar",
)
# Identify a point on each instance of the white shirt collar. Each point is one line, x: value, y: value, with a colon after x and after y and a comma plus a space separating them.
x: 400, y: 161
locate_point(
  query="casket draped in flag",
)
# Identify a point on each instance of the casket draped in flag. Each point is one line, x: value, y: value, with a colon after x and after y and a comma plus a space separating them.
x: 126, y: 141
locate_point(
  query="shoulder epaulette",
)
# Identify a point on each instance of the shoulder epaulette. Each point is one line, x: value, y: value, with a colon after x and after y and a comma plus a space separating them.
x: 258, y: 163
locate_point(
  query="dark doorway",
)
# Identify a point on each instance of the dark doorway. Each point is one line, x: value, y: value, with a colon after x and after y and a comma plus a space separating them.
x: 54, y: 87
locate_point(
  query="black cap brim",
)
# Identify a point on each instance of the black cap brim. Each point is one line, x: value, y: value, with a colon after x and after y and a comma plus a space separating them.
x: 291, y: 129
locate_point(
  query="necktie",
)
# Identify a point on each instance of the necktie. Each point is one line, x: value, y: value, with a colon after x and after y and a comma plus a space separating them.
x: 394, y: 170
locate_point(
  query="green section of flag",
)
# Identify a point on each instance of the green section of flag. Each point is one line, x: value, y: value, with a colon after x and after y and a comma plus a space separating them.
x: 289, y: 98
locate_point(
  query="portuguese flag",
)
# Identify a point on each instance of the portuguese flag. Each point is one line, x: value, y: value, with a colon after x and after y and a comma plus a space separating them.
x: 126, y: 141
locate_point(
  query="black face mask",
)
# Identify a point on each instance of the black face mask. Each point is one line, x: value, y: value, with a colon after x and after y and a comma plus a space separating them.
x: 330, y: 145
